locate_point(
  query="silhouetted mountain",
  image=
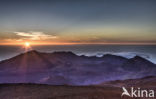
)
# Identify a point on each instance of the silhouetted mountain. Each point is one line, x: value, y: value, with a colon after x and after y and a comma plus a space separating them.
x: 138, y: 64
x: 69, y: 68
x: 30, y: 61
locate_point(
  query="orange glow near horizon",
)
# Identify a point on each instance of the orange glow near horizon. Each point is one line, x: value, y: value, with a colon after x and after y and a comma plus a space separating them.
x: 27, y: 44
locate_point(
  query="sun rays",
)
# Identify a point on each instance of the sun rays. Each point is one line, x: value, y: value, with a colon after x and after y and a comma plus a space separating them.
x: 27, y: 46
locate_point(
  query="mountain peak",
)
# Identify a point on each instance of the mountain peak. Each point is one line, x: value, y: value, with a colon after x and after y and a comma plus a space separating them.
x: 138, y: 58
x: 32, y: 51
x: 113, y: 56
x: 64, y: 53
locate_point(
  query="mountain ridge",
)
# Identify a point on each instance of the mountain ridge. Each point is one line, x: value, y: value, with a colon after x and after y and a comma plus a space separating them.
x: 34, y: 66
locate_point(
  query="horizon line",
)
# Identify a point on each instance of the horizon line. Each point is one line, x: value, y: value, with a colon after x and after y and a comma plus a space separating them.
x: 42, y: 44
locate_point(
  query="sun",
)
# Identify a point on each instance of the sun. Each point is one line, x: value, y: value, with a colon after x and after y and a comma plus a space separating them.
x: 27, y: 44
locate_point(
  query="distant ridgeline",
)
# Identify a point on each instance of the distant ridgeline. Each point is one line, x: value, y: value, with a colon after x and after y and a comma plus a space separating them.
x: 60, y: 68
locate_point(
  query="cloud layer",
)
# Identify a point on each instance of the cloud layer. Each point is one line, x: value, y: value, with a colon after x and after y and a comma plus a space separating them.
x: 32, y: 35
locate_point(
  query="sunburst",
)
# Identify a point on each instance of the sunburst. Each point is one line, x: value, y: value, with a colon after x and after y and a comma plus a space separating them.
x: 27, y: 44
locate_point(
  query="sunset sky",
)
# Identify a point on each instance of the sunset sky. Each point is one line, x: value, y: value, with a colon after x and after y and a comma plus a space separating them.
x: 78, y: 21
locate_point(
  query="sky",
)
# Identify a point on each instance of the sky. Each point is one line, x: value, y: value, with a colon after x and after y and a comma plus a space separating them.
x: 78, y: 21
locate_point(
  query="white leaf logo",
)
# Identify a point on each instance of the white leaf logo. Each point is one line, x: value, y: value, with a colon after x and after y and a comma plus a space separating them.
x: 125, y: 92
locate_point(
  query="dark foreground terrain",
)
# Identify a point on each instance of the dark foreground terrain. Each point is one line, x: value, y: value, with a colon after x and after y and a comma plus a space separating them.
x: 107, y: 90
x: 37, y: 91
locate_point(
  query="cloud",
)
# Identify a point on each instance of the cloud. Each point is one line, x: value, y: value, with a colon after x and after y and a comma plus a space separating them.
x: 34, y: 35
